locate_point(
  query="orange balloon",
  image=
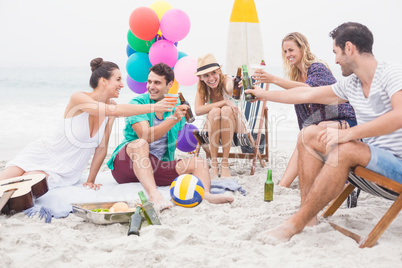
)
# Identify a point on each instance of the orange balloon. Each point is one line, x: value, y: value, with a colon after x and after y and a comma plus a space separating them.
x: 175, y: 88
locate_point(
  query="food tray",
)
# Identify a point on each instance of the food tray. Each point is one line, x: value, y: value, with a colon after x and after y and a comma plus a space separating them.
x: 84, y: 211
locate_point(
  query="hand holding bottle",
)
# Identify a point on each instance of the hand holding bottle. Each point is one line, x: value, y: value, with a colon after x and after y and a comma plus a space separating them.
x: 258, y: 92
x: 180, y: 111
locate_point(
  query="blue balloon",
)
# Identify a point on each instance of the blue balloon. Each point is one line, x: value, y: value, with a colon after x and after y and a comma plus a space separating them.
x: 137, y: 66
x: 181, y: 55
x: 135, y: 86
x: 129, y: 50
x: 186, y: 142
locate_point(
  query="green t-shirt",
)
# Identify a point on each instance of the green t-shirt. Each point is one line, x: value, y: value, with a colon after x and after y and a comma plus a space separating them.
x: 130, y: 135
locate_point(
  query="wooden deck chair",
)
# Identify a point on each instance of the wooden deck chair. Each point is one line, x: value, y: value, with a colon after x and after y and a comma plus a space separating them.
x: 256, y: 115
x: 375, y: 184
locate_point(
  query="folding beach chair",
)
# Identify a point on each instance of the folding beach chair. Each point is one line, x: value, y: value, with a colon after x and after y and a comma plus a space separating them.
x: 375, y: 184
x: 254, y: 143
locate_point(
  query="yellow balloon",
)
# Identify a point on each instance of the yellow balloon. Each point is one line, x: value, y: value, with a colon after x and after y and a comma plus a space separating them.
x: 175, y: 88
x: 160, y: 7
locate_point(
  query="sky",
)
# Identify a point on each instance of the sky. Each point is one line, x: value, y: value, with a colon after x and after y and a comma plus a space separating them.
x: 71, y: 33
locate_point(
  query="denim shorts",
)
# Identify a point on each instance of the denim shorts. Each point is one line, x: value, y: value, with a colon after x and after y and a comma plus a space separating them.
x: 385, y: 163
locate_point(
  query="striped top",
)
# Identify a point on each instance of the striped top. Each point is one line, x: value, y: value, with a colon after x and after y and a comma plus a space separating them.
x: 387, y: 81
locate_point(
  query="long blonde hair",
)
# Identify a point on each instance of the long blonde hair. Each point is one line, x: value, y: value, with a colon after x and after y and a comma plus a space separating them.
x: 308, y: 58
x: 205, y: 91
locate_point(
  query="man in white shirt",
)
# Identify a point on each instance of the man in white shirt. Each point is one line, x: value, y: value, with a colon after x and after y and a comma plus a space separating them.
x: 326, y: 156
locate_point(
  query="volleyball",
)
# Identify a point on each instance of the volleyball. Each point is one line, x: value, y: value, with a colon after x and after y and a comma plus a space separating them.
x: 187, y: 191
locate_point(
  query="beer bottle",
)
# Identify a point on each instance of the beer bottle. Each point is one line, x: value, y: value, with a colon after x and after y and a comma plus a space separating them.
x: 236, y: 88
x: 247, y: 84
x: 135, y: 222
x: 269, y: 187
x: 148, y: 209
x: 189, y: 114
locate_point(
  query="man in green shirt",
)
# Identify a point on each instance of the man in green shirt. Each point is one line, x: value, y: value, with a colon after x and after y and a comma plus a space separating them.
x: 146, y: 153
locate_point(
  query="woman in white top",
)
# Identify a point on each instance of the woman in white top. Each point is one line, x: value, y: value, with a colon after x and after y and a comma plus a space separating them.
x: 223, y: 118
x: 83, y: 132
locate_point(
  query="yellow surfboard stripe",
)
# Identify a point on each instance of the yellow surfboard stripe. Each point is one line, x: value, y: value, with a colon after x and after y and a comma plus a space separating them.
x: 244, y: 11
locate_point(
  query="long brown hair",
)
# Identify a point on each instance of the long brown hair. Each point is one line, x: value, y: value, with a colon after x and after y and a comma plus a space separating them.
x: 308, y: 58
x: 205, y: 91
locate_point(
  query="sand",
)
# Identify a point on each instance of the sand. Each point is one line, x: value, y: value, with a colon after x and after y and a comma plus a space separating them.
x: 208, y: 235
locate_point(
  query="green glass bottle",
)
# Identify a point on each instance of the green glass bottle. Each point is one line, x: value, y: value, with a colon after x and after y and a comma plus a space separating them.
x: 269, y: 187
x: 148, y: 209
x: 247, y: 84
x: 135, y: 222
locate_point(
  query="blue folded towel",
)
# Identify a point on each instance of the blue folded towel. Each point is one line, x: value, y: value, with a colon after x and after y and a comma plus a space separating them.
x: 219, y: 187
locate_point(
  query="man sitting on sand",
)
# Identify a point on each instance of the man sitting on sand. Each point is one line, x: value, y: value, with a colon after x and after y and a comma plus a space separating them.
x: 326, y: 156
x: 146, y: 154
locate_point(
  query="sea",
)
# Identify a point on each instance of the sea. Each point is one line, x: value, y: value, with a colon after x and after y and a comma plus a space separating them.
x: 33, y: 101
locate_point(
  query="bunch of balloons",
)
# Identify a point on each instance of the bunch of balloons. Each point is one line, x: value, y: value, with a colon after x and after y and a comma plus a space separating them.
x: 153, y: 38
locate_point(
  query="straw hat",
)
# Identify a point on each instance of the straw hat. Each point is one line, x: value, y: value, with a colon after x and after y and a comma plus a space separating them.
x: 206, y: 64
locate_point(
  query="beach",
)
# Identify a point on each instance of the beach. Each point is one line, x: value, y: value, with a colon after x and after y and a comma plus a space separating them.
x: 210, y: 235
x: 207, y: 235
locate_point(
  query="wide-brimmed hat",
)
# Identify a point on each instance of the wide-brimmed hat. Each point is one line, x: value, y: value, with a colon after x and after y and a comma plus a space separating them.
x: 206, y: 64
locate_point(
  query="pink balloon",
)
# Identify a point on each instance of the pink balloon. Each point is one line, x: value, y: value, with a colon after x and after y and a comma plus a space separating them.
x: 175, y: 25
x: 184, y: 71
x: 163, y: 51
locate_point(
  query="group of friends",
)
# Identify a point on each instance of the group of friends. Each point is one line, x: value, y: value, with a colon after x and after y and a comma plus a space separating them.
x: 353, y: 122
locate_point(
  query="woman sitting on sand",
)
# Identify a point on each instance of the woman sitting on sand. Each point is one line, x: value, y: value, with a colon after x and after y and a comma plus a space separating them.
x: 214, y: 90
x: 83, y: 132
x: 304, y: 69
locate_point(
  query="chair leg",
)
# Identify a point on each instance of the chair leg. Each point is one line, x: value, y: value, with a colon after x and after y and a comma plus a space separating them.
x: 338, y: 201
x: 201, y: 144
x: 197, y: 150
x: 255, y: 155
x: 383, y: 224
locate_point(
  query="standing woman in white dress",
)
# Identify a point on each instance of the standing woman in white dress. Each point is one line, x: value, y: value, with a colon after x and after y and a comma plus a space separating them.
x: 83, y: 132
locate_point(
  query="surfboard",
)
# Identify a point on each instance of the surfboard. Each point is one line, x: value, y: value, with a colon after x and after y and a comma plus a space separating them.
x: 244, y: 41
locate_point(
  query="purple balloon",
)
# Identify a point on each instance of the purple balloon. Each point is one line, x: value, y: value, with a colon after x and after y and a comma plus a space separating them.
x: 135, y: 86
x: 186, y: 141
x: 161, y: 37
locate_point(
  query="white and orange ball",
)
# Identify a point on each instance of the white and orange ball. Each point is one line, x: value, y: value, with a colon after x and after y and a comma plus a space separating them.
x: 187, y: 190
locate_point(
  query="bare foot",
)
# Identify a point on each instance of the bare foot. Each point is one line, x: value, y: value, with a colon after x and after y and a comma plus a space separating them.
x: 160, y: 203
x: 225, y: 172
x: 218, y: 198
x: 277, y: 235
